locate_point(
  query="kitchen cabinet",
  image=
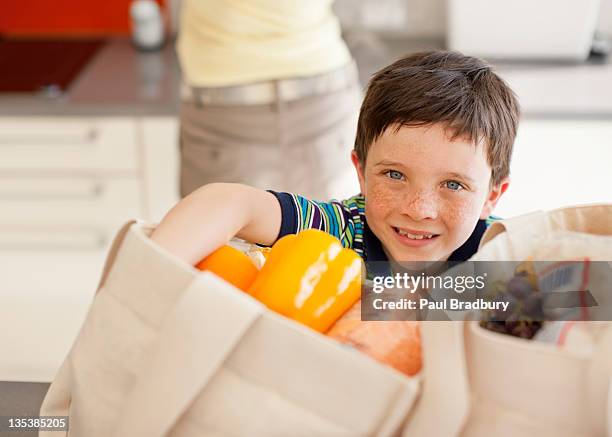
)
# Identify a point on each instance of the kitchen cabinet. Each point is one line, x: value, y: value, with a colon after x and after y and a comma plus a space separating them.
x: 68, y: 144
x: 66, y: 185
x: 159, y: 136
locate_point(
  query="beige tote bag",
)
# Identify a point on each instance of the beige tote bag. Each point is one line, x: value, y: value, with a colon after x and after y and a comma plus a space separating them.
x: 479, y: 383
x: 167, y: 350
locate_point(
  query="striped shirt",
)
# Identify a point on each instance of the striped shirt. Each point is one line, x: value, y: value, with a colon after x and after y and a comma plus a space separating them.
x: 345, y: 220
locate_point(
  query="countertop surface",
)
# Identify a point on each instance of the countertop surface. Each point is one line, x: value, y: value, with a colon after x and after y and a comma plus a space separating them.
x: 567, y: 91
x: 123, y: 81
x: 554, y: 89
x: 118, y: 81
x: 21, y: 399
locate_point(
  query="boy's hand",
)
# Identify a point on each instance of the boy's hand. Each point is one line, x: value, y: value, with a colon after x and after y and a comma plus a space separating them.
x: 212, y: 215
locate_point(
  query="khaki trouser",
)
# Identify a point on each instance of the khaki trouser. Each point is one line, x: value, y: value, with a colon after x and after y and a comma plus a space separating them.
x: 302, y: 146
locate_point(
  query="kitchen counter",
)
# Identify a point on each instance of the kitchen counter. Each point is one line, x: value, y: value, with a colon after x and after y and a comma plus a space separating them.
x: 21, y: 399
x: 123, y: 81
x: 562, y: 91
x: 118, y: 81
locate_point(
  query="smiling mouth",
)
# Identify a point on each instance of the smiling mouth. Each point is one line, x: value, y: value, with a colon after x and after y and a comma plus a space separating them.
x: 415, y: 236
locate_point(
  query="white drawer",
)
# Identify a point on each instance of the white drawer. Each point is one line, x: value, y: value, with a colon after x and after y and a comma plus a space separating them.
x: 83, y: 144
x: 62, y: 202
x: 67, y: 239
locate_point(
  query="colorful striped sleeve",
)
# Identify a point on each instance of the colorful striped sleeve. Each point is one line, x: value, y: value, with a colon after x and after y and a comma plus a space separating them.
x: 299, y: 213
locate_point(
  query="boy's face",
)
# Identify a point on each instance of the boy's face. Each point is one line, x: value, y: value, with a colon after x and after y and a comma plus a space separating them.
x: 420, y: 184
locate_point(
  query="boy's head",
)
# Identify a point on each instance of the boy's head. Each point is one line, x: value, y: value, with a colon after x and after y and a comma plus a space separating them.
x: 432, y: 152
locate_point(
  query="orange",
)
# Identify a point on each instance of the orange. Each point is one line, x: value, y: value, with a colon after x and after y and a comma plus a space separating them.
x: 232, y: 265
x: 395, y: 343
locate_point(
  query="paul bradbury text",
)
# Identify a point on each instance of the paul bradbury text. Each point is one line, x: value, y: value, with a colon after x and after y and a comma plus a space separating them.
x: 449, y: 304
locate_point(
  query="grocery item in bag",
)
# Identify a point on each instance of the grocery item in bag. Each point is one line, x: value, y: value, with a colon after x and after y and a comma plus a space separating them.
x: 525, y: 310
x: 232, y: 265
x: 395, y: 343
x: 309, y: 278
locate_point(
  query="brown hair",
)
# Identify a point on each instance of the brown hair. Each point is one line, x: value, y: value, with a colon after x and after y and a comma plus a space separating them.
x: 459, y: 91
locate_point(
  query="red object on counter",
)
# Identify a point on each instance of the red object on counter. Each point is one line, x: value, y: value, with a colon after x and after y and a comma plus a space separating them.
x: 65, y: 17
x: 31, y: 65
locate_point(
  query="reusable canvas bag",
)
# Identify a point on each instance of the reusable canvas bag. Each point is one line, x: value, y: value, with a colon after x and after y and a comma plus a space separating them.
x: 168, y: 350
x: 479, y: 383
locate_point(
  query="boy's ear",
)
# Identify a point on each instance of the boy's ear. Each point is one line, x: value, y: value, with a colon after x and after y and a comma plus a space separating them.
x: 360, y: 171
x: 493, y: 197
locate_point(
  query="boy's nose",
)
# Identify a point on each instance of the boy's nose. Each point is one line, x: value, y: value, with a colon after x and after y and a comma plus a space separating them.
x: 421, y: 206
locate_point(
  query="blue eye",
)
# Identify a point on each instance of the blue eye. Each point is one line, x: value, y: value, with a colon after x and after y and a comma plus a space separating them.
x: 393, y: 174
x: 453, y: 185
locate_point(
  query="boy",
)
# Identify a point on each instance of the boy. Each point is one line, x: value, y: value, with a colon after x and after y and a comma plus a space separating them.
x: 432, y: 155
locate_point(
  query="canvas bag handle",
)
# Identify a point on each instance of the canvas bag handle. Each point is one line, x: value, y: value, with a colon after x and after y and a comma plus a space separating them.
x: 189, y: 351
x: 114, y: 249
x: 533, y: 223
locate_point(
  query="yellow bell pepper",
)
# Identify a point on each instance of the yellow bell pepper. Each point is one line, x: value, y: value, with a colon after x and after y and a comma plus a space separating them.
x: 310, y: 278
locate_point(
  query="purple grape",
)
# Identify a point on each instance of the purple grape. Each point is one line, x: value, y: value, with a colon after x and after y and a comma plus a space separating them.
x: 519, y: 287
x: 494, y: 326
x: 525, y: 329
x: 525, y: 305
x: 532, y: 306
x: 500, y: 314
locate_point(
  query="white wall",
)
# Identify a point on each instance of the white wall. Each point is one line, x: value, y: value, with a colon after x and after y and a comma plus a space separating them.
x: 558, y: 163
x: 426, y: 18
x: 605, y: 18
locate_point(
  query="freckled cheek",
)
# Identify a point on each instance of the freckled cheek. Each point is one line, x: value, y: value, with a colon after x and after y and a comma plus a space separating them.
x: 381, y: 202
x: 460, y: 215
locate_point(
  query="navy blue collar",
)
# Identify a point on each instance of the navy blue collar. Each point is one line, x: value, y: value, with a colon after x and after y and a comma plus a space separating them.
x: 373, y: 249
x: 374, y: 252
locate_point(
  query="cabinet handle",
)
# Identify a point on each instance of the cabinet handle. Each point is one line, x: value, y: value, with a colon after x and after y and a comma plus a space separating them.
x: 86, y: 138
x: 26, y: 191
x: 18, y: 239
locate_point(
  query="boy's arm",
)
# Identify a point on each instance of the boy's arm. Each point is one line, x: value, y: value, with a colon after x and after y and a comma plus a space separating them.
x: 212, y: 215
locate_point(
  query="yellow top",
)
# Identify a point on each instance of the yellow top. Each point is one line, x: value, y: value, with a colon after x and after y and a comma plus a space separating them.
x: 231, y: 42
